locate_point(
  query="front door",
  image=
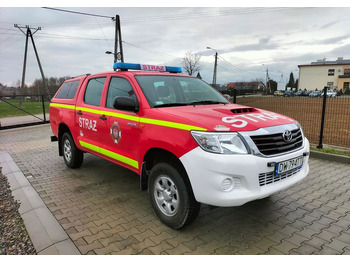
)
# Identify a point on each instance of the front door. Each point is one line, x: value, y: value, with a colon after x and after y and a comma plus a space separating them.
x: 120, y: 143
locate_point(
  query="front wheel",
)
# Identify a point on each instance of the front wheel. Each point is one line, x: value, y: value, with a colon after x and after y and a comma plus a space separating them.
x: 171, y: 197
x: 73, y: 157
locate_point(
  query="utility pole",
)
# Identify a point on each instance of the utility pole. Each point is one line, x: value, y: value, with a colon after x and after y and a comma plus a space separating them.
x: 28, y: 34
x: 118, y: 41
x: 215, y: 67
x: 267, y: 80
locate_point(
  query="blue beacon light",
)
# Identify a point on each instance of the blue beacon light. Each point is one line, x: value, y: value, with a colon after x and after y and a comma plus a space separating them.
x: 127, y: 66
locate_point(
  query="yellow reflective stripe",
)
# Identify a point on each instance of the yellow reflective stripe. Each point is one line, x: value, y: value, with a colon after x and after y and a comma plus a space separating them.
x: 123, y: 116
x: 89, y: 146
x: 170, y: 124
x: 89, y: 110
x: 110, y: 154
x: 62, y: 106
x: 152, y: 121
x: 120, y: 158
x: 135, y: 118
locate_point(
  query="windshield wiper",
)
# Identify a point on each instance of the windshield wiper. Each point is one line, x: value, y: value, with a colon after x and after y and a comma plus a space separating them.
x: 207, y: 102
x: 170, y: 105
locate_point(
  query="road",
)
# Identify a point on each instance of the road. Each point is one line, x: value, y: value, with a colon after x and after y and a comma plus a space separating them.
x: 102, y: 210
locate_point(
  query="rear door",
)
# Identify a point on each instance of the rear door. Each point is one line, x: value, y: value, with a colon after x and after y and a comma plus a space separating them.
x: 89, y: 123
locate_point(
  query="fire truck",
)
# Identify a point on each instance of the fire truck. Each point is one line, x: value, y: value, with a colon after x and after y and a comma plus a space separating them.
x: 188, y: 143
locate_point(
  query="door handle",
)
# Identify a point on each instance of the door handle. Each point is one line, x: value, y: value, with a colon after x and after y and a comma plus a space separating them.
x: 103, y: 117
x: 79, y: 113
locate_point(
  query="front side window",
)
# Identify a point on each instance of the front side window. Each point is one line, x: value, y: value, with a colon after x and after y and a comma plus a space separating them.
x: 331, y: 72
x: 93, y: 91
x: 119, y: 87
x: 164, y: 91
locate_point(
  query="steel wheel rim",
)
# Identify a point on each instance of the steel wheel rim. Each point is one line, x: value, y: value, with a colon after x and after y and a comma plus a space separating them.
x: 166, y: 195
x: 67, y: 150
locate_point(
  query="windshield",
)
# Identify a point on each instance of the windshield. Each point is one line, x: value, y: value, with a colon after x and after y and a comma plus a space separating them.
x: 163, y: 91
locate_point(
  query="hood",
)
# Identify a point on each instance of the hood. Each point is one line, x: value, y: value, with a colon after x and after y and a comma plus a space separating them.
x: 229, y: 117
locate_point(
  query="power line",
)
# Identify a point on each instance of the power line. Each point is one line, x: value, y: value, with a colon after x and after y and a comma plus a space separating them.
x: 205, y: 14
x: 78, y: 13
x: 72, y: 37
x: 183, y: 15
x: 233, y: 66
x: 152, y: 51
x: 61, y: 36
x: 109, y: 46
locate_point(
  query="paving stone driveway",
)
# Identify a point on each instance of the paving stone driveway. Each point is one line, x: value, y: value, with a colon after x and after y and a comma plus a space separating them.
x: 103, y: 212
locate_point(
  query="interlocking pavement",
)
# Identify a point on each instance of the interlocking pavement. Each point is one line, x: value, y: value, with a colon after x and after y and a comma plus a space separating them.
x: 102, y: 210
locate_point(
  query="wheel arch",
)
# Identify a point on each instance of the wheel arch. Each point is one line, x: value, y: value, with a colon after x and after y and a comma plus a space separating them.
x: 63, y: 128
x: 159, y: 155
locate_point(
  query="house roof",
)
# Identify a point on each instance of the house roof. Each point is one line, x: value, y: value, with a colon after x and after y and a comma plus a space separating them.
x: 340, y: 61
x: 240, y: 84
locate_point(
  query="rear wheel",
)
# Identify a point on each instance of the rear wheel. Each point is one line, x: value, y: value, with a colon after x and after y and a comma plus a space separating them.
x: 73, y: 157
x: 171, y: 197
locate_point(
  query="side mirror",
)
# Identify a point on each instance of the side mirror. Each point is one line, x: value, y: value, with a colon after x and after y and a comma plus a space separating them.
x: 126, y: 103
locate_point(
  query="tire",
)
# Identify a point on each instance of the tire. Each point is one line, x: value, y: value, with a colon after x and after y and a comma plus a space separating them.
x: 73, y: 157
x: 171, y: 197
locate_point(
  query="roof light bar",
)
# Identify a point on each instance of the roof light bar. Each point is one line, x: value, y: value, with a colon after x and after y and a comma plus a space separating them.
x: 127, y: 66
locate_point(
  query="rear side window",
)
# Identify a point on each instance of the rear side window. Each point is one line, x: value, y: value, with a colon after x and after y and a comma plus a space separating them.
x: 93, y: 91
x: 68, y: 90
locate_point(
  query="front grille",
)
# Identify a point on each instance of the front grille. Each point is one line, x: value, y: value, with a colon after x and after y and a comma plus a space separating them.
x: 274, y: 144
x: 269, y: 178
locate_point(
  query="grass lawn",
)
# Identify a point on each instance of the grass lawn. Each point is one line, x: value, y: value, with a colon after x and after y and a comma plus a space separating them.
x: 28, y: 107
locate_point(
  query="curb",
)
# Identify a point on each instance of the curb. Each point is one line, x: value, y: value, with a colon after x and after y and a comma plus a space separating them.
x: 330, y: 157
x: 46, y: 233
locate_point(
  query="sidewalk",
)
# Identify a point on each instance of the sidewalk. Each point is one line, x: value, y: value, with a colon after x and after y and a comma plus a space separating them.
x: 23, y: 120
x: 47, y: 235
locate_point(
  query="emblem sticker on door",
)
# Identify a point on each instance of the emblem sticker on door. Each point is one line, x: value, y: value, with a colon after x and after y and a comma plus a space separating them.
x: 116, y: 134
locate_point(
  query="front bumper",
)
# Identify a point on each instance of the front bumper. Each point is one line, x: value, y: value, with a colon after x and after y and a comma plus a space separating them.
x: 210, y: 175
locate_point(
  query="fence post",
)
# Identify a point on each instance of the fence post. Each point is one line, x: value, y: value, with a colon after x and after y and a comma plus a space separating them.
x: 320, y: 145
x: 43, y: 103
x: 234, y: 96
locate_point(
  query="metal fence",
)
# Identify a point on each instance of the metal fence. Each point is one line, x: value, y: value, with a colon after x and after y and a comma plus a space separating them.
x: 23, y: 110
x: 330, y: 126
x: 325, y: 120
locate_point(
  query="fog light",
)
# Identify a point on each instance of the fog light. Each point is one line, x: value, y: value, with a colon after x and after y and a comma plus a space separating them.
x: 227, y: 184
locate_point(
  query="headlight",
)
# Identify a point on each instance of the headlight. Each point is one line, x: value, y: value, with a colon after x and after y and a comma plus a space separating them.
x: 299, y: 126
x: 221, y: 143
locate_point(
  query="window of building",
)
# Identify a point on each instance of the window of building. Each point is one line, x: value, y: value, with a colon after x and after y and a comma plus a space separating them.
x: 346, y: 71
x: 93, y: 91
x: 346, y: 85
x: 331, y: 72
x: 330, y: 85
x: 119, y: 87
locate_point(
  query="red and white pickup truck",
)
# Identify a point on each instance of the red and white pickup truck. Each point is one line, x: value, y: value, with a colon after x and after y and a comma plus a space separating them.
x: 187, y: 142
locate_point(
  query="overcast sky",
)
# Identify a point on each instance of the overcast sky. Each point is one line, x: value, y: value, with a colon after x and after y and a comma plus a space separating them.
x: 249, y: 40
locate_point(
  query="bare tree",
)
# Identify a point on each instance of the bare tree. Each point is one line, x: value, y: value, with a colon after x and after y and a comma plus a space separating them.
x: 191, y: 63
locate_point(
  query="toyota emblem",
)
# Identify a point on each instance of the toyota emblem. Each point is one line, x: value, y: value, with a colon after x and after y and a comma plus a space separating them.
x: 287, y: 136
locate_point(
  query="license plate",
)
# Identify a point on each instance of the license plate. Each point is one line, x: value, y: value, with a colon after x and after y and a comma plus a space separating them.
x: 288, y: 165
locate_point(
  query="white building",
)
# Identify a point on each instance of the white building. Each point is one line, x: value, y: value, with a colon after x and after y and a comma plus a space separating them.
x: 317, y: 75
